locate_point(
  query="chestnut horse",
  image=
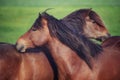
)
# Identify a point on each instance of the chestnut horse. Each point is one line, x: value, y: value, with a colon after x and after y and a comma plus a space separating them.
x: 77, y: 57
x: 93, y: 24
x: 35, y: 64
x: 90, y: 18
x: 113, y: 41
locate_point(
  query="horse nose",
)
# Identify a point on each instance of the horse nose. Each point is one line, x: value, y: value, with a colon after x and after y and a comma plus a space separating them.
x: 102, y: 38
x: 105, y: 37
x: 20, y: 47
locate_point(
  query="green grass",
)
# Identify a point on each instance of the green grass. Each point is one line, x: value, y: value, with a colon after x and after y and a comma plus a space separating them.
x: 17, y: 16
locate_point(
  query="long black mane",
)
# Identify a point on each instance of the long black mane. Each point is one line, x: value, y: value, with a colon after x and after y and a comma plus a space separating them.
x: 85, y: 48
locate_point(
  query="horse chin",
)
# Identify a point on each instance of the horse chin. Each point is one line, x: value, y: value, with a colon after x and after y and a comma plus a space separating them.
x: 101, y: 39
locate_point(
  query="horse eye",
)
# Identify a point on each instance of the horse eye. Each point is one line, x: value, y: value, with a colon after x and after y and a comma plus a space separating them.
x: 34, y: 29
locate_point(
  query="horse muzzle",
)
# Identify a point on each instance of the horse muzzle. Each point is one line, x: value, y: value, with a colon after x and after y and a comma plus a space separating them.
x: 20, y: 47
x: 102, y: 38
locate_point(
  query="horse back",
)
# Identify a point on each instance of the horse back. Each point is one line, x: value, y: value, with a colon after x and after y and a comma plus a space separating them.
x: 9, y: 62
x: 113, y: 42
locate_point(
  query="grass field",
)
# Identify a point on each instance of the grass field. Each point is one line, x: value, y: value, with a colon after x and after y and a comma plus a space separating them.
x: 17, y: 16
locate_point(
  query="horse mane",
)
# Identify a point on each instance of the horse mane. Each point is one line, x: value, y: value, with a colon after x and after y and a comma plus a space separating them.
x: 94, y: 16
x: 77, y: 18
x: 84, y: 48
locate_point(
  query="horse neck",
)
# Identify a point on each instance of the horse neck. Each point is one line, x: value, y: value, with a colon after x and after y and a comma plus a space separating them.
x: 67, y: 61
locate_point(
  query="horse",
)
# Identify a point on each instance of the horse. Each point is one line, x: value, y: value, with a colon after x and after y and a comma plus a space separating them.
x: 35, y: 64
x: 9, y: 48
x: 113, y: 41
x: 90, y: 18
x: 77, y: 57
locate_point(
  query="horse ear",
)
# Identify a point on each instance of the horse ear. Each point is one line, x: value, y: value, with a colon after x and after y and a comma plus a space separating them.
x: 39, y: 14
x: 89, y: 10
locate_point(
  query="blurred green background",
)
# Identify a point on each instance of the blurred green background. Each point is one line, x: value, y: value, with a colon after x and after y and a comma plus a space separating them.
x: 17, y: 16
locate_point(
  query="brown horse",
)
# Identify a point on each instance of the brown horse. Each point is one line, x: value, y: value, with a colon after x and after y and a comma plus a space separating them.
x: 90, y: 18
x: 8, y: 50
x: 113, y: 41
x: 32, y: 65
x: 76, y: 56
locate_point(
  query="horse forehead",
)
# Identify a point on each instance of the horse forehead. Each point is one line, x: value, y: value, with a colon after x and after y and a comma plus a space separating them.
x: 44, y: 21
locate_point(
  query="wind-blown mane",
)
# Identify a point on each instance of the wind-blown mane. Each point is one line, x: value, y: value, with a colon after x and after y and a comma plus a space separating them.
x: 77, y: 42
x: 77, y: 18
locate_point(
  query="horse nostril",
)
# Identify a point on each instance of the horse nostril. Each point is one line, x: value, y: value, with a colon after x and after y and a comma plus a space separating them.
x: 108, y: 35
x: 20, y: 47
